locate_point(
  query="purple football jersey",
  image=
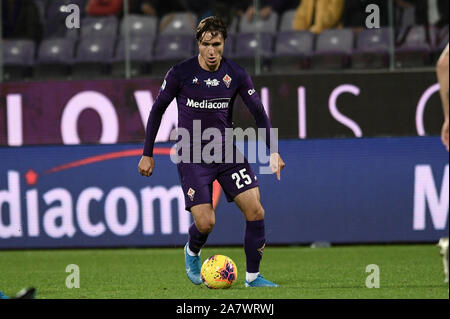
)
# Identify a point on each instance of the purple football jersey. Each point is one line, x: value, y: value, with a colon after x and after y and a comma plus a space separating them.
x: 205, y: 96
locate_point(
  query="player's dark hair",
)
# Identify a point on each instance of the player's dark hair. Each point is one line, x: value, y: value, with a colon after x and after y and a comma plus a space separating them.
x: 211, y: 24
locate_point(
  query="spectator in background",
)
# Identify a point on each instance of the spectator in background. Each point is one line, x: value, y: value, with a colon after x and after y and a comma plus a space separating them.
x: 227, y: 9
x: 104, y: 7
x: 318, y: 15
x: 156, y: 8
x: 426, y: 12
x: 21, y: 20
x: 202, y: 8
x: 267, y: 7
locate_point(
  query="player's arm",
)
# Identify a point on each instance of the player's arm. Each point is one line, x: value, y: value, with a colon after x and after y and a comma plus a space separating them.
x: 166, y: 94
x: 254, y: 104
x: 442, y: 75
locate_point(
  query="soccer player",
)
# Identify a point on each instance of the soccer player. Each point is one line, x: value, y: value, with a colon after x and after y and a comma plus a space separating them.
x: 205, y: 87
x: 27, y: 293
x: 442, y: 75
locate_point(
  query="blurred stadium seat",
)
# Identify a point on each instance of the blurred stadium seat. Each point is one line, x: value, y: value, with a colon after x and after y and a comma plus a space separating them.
x: 228, y: 50
x: 233, y: 26
x: 415, y: 50
x: 141, y: 54
x: 93, y: 57
x: 18, y: 57
x: 248, y: 45
x: 54, y: 60
x: 258, y: 25
x: 105, y: 27
x: 333, y: 49
x: 292, y: 51
x: 372, y: 49
x: 169, y: 50
x: 139, y: 26
x: 439, y: 39
x: 178, y: 23
x: 286, y: 20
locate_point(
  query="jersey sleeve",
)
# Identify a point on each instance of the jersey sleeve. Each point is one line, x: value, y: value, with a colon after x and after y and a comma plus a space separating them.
x: 167, y: 93
x: 254, y: 104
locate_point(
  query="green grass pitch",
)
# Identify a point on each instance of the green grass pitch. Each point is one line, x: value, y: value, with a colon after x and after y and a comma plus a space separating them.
x: 405, y: 271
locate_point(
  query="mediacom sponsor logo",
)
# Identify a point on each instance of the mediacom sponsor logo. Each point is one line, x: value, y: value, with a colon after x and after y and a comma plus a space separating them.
x: 221, y: 103
x: 64, y: 214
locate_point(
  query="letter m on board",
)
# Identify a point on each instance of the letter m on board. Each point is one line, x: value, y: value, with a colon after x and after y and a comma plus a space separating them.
x: 426, y: 194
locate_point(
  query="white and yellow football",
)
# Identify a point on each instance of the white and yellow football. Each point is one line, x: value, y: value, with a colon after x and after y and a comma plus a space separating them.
x: 218, y: 272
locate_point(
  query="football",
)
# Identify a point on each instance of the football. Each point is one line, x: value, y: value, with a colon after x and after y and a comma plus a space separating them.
x: 218, y: 272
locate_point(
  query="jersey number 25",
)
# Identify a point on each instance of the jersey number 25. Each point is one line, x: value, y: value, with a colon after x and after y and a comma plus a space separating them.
x: 242, y: 175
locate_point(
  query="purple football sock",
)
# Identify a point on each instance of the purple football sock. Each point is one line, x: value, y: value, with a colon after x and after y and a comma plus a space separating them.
x: 196, y: 239
x: 254, y: 243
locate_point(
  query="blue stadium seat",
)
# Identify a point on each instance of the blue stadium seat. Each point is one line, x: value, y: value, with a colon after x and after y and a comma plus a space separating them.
x: 439, y: 40
x: 93, y: 57
x: 178, y: 23
x: 258, y: 25
x: 334, y: 48
x: 169, y: 50
x: 18, y: 58
x: 248, y: 45
x: 229, y: 48
x: 233, y: 26
x: 54, y: 59
x: 372, y: 49
x: 140, y: 53
x: 139, y: 26
x: 415, y: 50
x: 105, y: 27
x: 287, y: 19
x: 293, y: 50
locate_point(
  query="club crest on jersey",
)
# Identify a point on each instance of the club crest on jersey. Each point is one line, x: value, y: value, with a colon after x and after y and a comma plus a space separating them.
x: 227, y: 80
x: 213, y: 82
x: 191, y: 193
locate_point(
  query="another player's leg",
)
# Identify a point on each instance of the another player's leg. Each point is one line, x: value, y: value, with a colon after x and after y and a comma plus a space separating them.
x: 254, y: 242
x: 26, y: 293
x: 204, y: 220
x: 443, y: 245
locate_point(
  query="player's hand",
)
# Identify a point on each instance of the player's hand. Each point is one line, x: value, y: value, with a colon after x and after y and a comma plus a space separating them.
x: 276, y: 164
x: 444, y: 133
x: 146, y: 165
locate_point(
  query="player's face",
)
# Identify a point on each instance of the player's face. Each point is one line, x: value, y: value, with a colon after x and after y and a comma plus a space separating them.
x: 211, y: 49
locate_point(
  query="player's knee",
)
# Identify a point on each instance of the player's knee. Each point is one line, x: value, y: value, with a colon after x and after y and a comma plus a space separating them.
x: 206, y: 226
x: 256, y: 214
